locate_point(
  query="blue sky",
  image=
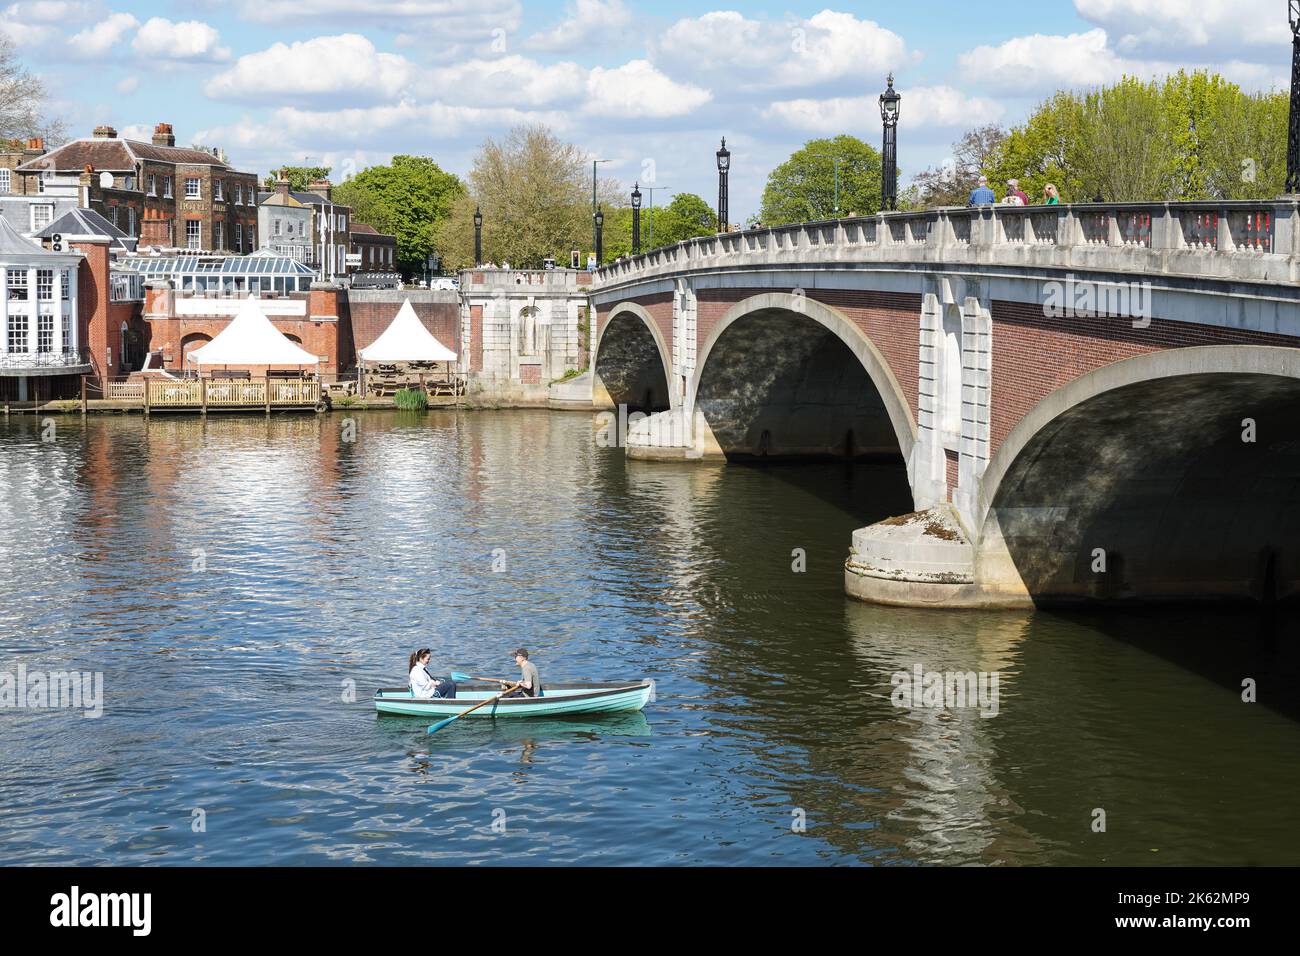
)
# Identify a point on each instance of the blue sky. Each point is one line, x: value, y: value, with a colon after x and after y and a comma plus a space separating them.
x: 651, y: 86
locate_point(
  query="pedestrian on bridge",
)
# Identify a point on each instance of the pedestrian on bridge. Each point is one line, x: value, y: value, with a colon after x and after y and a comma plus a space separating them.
x: 981, y: 195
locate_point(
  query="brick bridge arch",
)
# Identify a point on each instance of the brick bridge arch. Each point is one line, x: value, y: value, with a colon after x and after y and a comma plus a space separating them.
x: 625, y: 361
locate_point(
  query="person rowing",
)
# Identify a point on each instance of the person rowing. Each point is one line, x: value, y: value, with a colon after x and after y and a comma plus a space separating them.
x: 530, y: 682
x: 423, y: 684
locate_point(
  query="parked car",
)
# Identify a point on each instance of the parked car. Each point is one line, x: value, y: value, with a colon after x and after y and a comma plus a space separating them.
x: 445, y: 283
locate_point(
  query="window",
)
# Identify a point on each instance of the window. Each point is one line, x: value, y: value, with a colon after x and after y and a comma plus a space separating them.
x: 5, y: 180
x: 17, y: 285
x: 63, y: 283
x: 239, y: 237
x: 45, y: 332
x: 167, y: 187
x: 275, y: 227
x: 17, y: 332
x: 42, y: 216
x: 45, y: 285
x: 220, y: 187
x: 252, y: 239
x: 192, y: 188
x: 65, y: 327
x: 219, y: 235
x: 193, y: 234
x: 40, y: 181
x: 239, y: 194
x: 130, y: 220
x: 153, y: 185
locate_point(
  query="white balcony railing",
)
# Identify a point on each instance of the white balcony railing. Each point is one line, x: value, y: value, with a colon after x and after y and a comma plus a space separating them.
x: 67, y: 358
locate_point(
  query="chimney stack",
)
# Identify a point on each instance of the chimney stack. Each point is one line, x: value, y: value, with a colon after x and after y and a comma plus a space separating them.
x: 163, y: 135
x: 35, y: 147
x: 322, y: 188
x: 282, y: 184
x: 105, y: 132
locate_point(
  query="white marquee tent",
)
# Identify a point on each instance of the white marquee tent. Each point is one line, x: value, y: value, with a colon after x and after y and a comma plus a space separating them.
x: 407, y: 340
x: 251, y: 339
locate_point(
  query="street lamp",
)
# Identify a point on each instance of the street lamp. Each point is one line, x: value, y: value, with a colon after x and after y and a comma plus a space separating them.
x: 600, y: 230
x: 636, y: 219
x: 724, y: 167
x: 478, y: 236
x: 889, y: 174
x: 1293, y: 126
x: 594, y: 164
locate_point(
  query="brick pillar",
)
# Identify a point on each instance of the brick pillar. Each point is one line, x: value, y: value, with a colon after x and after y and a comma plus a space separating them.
x: 92, y: 306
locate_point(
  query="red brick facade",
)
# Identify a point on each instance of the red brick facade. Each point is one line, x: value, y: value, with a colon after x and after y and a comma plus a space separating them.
x: 1034, y: 355
x: 442, y: 319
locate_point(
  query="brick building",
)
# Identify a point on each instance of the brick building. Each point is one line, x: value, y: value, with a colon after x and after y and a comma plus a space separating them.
x: 167, y: 196
x: 334, y: 233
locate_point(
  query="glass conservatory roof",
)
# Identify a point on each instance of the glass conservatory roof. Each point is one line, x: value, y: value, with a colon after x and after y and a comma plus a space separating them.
x: 256, y: 265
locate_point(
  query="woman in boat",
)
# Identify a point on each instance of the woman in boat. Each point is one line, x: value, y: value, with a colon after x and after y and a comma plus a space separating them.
x: 423, y: 684
x: 530, y: 682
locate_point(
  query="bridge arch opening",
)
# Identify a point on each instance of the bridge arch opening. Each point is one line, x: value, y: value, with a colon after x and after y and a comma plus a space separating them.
x: 1170, y: 477
x: 783, y: 377
x: 630, y: 363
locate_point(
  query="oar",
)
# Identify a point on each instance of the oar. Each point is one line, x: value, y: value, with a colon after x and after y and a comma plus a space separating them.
x: 460, y: 678
x: 434, y: 728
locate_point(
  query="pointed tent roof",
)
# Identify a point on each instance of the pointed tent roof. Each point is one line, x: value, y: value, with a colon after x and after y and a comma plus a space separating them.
x: 407, y: 340
x: 14, y: 243
x: 251, y: 339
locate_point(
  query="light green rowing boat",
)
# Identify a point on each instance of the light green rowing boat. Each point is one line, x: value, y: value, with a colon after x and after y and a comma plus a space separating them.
x: 557, y: 700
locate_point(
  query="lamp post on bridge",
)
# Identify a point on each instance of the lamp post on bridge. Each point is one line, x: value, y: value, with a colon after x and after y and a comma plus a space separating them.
x: 478, y: 236
x: 889, y: 166
x: 1293, y: 125
x: 600, y: 233
x: 636, y: 219
x: 724, y: 168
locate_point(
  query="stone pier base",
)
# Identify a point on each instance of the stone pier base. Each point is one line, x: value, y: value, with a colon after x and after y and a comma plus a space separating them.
x: 922, y: 559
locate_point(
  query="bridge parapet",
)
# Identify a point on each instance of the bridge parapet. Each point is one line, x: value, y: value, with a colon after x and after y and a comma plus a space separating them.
x: 1252, y: 241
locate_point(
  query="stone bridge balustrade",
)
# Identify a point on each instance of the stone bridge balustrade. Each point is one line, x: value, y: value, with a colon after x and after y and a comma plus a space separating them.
x: 1247, y: 240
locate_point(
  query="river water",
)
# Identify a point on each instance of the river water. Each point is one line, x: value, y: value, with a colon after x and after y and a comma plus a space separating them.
x: 243, y: 584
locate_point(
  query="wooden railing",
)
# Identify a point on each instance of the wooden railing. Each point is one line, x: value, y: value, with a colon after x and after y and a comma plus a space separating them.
x: 204, y: 393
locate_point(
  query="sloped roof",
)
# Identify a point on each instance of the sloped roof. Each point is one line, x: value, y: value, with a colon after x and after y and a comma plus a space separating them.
x: 14, y: 243
x: 87, y: 222
x: 117, y: 155
x: 275, y: 199
x: 251, y: 339
x: 407, y: 340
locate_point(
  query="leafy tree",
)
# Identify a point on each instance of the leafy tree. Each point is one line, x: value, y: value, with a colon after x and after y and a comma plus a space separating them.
x: 300, y: 177
x: 952, y: 183
x: 1188, y: 136
x: 534, y: 190
x: 685, y: 217
x: 802, y: 188
x: 409, y: 199
x: 22, y: 101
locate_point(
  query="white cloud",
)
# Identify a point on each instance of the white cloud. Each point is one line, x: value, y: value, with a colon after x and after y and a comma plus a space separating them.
x: 762, y: 54
x: 345, y: 69
x: 128, y: 84
x: 1168, y: 25
x: 444, y: 19
x: 587, y: 23
x: 102, y: 39
x: 513, y: 80
x: 190, y: 41
x: 922, y: 107
x: 637, y: 89
x: 1023, y: 65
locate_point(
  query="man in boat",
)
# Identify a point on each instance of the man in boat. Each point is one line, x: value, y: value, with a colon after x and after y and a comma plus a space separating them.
x: 530, y: 682
x: 423, y: 684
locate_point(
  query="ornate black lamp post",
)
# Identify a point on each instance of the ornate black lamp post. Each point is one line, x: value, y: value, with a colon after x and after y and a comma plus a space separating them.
x: 889, y: 171
x: 1293, y: 127
x: 478, y: 236
x: 600, y: 234
x: 636, y: 219
x: 724, y: 167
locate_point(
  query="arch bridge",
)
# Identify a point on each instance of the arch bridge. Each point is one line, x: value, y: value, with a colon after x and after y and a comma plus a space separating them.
x: 1092, y: 402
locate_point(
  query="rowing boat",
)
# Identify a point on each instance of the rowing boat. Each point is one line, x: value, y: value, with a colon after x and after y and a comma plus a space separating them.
x: 557, y: 700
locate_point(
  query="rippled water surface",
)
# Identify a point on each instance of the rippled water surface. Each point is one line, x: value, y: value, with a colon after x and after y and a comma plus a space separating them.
x: 233, y: 578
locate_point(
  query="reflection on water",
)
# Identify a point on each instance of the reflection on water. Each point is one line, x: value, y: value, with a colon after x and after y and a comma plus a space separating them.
x: 244, y: 583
